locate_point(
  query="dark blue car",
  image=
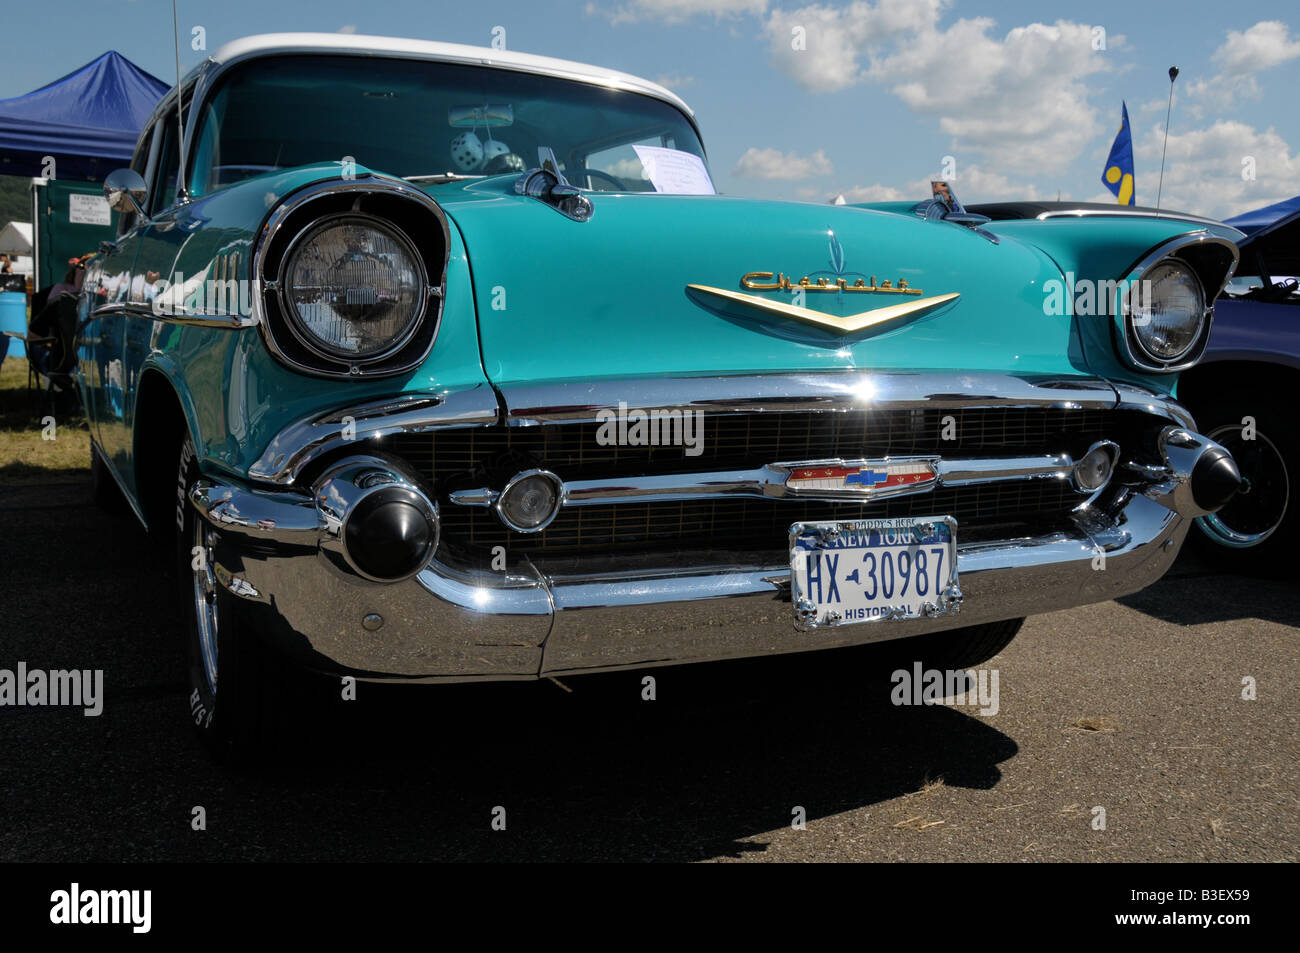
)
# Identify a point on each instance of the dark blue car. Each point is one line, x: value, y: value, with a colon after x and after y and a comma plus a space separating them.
x: 1241, y: 394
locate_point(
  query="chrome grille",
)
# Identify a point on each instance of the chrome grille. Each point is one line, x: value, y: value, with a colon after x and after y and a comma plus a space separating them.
x: 755, y: 439
x: 754, y: 524
x: 476, y: 457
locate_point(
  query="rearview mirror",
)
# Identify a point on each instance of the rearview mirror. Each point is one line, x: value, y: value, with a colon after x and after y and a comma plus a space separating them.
x: 125, y: 191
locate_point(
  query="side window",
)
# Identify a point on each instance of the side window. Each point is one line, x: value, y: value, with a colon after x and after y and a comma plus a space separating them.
x: 139, y: 163
x: 162, y: 191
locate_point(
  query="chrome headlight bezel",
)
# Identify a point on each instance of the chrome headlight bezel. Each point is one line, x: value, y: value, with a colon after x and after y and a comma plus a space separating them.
x: 398, y: 208
x: 297, y: 324
x: 1199, y: 316
x: 1210, y: 260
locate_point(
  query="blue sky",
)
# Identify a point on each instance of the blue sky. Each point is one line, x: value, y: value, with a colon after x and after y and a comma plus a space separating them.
x: 882, y: 91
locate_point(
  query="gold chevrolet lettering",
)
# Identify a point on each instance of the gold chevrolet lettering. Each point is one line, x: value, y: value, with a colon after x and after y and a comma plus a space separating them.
x: 767, y: 281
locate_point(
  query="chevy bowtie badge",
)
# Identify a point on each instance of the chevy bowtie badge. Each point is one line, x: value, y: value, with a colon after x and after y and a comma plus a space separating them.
x: 865, y: 478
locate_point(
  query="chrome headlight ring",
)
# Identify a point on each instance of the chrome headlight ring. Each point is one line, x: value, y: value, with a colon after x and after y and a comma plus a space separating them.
x: 1199, y: 257
x: 300, y: 326
x: 406, y: 216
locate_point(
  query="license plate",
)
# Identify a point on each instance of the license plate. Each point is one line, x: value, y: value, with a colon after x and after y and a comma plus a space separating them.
x: 843, y: 572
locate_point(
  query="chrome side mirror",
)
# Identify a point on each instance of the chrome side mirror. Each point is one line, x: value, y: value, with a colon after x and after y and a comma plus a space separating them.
x: 126, y: 191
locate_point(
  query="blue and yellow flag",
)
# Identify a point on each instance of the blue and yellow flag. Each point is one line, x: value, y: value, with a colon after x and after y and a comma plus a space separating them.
x: 1118, y: 176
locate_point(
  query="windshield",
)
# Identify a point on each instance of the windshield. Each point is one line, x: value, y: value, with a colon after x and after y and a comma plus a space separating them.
x: 413, y: 118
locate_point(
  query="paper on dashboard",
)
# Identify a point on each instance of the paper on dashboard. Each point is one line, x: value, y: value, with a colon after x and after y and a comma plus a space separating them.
x: 674, y: 171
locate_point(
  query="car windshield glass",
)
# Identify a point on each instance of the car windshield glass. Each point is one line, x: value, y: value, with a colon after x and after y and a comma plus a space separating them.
x: 418, y: 118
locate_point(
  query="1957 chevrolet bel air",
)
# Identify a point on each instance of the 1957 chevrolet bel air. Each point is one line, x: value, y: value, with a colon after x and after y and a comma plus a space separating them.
x: 438, y: 363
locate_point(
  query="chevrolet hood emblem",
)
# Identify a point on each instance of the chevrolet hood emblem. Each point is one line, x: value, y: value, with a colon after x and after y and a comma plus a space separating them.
x: 837, y: 281
x: 844, y: 325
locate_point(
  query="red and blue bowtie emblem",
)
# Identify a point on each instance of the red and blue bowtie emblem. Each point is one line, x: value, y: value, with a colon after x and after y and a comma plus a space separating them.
x: 864, y: 478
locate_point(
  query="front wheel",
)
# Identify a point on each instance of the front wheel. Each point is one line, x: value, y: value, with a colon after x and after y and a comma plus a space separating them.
x: 1254, y: 531
x: 236, y: 685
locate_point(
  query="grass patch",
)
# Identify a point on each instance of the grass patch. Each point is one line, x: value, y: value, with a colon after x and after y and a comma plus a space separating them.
x: 26, y: 456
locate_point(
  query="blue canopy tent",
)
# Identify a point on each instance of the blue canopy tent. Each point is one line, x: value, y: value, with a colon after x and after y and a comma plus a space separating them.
x: 1266, y: 218
x: 88, y: 120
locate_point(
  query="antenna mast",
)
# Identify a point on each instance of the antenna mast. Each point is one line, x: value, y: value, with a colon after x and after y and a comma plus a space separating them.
x: 1173, y: 75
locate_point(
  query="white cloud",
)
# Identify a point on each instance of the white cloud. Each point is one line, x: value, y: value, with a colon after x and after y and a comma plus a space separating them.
x: 1203, y: 170
x: 972, y: 184
x: 1020, y: 99
x: 350, y: 28
x: 1242, y: 55
x: 677, y: 11
x: 1264, y: 45
x: 820, y: 46
x: 874, y: 193
x: 774, y: 164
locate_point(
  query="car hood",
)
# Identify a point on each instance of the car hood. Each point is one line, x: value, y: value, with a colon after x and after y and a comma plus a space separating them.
x: 613, y: 296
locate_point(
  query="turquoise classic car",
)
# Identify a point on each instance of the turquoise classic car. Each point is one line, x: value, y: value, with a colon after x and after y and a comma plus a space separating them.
x: 437, y: 363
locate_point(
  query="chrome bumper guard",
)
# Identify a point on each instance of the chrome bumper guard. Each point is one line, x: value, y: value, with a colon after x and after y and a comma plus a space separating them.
x: 538, y: 618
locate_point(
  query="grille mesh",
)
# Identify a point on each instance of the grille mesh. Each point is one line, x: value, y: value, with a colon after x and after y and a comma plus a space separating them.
x: 475, y: 457
x: 758, y: 524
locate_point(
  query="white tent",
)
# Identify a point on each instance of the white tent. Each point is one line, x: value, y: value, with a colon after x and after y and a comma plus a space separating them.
x: 16, y: 242
x: 16, y: 239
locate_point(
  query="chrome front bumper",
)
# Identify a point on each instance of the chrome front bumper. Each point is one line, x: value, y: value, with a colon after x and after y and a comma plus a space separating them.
x: 539, y: 618
x: 449, y: 624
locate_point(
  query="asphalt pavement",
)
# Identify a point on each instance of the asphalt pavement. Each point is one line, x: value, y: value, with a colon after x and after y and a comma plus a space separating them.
x: 1121, y: 734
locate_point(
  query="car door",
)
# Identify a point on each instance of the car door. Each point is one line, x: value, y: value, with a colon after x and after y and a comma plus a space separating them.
x: 107, y: 276
x: 131, y: 319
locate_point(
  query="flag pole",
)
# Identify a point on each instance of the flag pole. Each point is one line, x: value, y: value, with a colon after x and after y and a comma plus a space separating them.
x: 1173, y: 75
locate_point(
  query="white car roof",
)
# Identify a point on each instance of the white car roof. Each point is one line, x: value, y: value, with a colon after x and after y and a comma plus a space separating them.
x: 268, y: 43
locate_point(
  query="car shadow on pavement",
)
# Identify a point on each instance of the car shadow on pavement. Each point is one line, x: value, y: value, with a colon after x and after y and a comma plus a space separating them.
x: 725, y: 752
x: 1193, y: 593
x: 587, y: 770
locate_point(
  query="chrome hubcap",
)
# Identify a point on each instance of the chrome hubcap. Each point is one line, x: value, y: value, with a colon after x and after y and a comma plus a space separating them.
x: 205, y: 598
x: 1260, y: 505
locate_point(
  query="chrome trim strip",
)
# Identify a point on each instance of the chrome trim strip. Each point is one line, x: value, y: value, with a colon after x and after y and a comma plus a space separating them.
x: 197, y: 319
x: 305, y: 440
x: 959, y: 472
x: 1126, y: 213
x: 280, y: 517
x: 770, y: 481
x: 1134, y: 397
x: 584, y: 401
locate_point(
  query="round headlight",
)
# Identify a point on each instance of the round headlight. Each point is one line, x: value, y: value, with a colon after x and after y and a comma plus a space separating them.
x: 1167, y: 312
x: 355, y: 288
